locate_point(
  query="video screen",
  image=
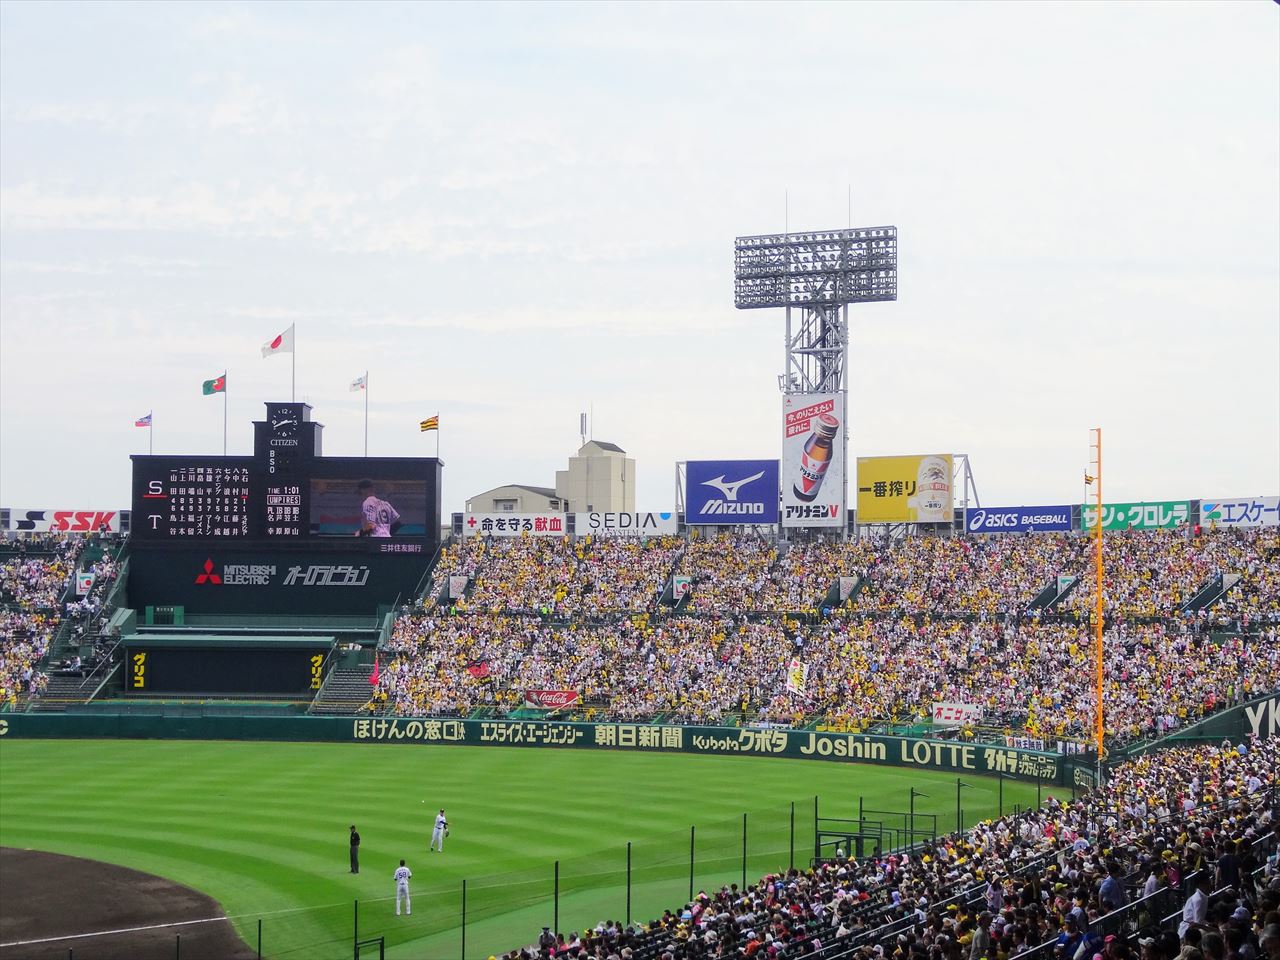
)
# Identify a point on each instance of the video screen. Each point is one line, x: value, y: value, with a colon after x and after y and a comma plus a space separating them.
x: 368, y: 506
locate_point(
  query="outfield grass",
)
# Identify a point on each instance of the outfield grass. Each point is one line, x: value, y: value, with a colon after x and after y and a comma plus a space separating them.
x: 262, y: 828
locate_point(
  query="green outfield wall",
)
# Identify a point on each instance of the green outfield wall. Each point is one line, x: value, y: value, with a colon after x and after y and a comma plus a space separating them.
x: 944, y: 755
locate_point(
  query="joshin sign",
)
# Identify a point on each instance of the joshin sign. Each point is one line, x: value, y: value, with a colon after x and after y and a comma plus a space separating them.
x: 812, y: 460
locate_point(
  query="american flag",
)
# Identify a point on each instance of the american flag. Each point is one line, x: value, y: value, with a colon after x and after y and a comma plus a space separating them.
x: 143, y: 421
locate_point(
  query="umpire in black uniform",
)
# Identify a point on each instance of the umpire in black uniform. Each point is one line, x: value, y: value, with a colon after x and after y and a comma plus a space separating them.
x: 355, y: 850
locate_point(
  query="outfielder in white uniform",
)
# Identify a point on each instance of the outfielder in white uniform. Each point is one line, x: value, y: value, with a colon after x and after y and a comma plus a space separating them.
x: 402, y: 876
x: 440, y: 832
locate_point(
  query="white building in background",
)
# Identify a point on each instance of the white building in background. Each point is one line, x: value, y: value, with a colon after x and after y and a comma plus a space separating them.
x: 601, y: 478
x: 517, y: 498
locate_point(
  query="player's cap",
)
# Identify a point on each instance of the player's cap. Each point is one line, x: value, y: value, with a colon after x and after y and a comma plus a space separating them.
x: 364, y: 484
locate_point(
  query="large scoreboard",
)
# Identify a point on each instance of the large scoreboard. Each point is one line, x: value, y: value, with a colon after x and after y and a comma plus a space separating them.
x: 359, y: 530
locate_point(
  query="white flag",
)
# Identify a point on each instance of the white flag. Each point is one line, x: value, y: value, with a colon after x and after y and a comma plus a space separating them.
x: 360, y: 383
x: 283, y: 343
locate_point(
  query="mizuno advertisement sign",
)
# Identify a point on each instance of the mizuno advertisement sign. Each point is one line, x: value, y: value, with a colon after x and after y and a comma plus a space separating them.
x: 1017, y: 519
x: 731, y: 491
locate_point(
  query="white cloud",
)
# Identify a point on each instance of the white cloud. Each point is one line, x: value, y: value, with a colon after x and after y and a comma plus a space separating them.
x: 509, y: 213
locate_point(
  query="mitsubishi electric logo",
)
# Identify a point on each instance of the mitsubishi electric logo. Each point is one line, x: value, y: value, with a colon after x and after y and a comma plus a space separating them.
x: 208, y: 576
x: 730, y: 490
x: 238, y: 574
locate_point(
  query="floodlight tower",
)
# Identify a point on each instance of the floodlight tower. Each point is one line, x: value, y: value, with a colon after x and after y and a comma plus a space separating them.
x: 818, y: 275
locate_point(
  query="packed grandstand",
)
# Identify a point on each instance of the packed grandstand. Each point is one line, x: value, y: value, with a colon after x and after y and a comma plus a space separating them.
x: 1184, y: 832
x: 930, y: 619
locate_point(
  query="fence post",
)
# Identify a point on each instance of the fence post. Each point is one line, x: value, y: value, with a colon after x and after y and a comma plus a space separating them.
x: 355, y: 929
x: 464, y: 920
x: 1000, y: 778
x: 555, y: 919
x: 259, y: 938
x: 692, y: 831
x: 744, y: 853
x: 817, y: 850
x: 792, y: 865
x: 628, y: 883
x: 177, y: 947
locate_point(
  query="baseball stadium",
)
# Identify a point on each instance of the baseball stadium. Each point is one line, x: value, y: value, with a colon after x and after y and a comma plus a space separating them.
x: 233, y: 709
x: 960, y: 643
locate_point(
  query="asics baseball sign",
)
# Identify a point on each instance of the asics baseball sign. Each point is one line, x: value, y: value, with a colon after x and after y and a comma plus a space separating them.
x: 731, y: 491
x: 1017, y: 519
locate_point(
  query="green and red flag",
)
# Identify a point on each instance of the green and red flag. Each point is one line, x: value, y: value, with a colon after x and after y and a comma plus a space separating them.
x: 216, y: 385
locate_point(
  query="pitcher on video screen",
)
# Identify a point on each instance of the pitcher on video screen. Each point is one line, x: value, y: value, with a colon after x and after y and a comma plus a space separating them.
x: 381, y: 519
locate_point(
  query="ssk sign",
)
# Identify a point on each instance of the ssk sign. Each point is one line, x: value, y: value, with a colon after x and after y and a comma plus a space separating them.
x: 731, y: 491
x: 625, y: 524
x: 64, y: 521
x: 1017, y: 519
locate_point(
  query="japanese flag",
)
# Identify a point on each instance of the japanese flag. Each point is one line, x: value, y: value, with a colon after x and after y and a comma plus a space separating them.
x: 283, y: 343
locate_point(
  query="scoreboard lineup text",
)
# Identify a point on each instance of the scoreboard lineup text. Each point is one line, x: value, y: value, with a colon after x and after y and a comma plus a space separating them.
x: 184, y: 500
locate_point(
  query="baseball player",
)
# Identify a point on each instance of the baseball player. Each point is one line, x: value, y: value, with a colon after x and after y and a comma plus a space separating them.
x: 402, y: 876
x: 440, y: 831
x: 379, y: 518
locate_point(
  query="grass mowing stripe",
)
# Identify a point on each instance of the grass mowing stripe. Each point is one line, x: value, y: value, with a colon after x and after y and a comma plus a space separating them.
x: 263, y: 826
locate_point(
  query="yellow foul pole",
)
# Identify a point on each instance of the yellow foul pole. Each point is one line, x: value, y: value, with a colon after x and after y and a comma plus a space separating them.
x: 1097, y: 613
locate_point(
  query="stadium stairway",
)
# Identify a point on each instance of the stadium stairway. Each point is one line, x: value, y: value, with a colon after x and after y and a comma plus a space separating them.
x: 1211, y: 592
x: 344, y: 691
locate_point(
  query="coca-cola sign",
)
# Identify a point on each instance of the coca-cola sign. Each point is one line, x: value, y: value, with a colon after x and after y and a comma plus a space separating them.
x: 550, y: 699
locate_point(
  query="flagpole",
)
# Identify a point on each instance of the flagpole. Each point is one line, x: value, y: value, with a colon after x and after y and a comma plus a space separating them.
x: 293, y: 370
x: 366, y: 413
x: 151, y: 433
x: 437, y: 434
x: 224, y: 413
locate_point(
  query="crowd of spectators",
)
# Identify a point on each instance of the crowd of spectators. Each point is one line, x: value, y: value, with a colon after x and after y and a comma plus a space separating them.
x: 1032, y: 680
x: 935, y: 619
x: 33, y: 578
x: 1151, y: 575
x: 1186, y: 821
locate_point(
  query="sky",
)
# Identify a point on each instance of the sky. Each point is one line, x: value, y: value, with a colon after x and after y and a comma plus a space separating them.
x: 512, y: 214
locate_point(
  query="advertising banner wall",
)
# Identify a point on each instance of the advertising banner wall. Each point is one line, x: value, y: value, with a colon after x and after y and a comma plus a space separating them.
x: 1240, y: 512
x: 31, y: 520
x: 1017, y: 519
x: 731, y: 491
x: 514, y: 524
x: 812, y: 460
x: 948, y: 755
x: 625, y: 524
x: 230, y: 579
x: 1160, y: 515
x: 915, y: 489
